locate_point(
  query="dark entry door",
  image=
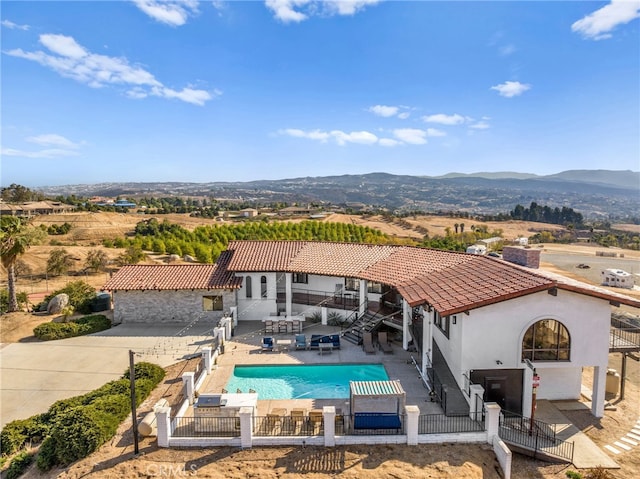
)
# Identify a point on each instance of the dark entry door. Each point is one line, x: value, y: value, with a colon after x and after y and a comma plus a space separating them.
x: 496, y: 390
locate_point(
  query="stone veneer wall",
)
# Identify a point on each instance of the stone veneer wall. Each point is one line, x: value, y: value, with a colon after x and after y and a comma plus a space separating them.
x: 166, y: 306
x: 523, y: 256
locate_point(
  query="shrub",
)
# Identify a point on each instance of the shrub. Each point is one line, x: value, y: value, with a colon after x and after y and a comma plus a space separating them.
x: 77, y: 327
x: 18, y: 433
x: 80, y: 431
x: 315, y: 317
x: 147, y: 371
x: 46, y: 454
x: 335, y: 319
x: 81, y: 295
x: 19, y: 465
x: 573, y: 475
x: 117, y: 405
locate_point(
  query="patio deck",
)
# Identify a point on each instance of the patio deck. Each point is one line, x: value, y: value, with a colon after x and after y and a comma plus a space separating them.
x: 245, y: 348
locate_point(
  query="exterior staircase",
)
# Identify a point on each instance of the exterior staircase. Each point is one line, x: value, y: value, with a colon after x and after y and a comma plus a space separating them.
x: 367, y: 323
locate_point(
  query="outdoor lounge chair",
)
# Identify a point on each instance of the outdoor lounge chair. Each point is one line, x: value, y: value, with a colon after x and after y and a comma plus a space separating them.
x: 315, y: 341
x: 301, y: 341
x: 267, y: 343
x: 383, y: 341
x: 297, y: 419
x: 282, y: 326
x: 367, y: 343
x: 296, y: 326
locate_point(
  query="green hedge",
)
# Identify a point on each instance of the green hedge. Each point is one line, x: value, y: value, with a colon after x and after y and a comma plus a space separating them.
x: 77, y: 327
x: 81, y: 296
x: 19, y: 465
x: 75, y: 427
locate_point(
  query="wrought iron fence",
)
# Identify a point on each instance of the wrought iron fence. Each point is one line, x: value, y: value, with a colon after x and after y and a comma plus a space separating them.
x: 534, y: 435
x: 442, y: 424
x: 200, y: 370
x: 206, y: 427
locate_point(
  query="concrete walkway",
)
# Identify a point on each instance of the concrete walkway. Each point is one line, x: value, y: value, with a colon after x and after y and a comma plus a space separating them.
x: 586, y: 453
x: 33, y: 375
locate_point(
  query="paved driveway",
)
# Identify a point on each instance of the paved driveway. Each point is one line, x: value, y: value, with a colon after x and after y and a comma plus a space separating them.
x: 35, y: 375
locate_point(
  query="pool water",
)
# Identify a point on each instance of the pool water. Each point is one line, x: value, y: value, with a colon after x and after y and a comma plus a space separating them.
x: 303, y: 381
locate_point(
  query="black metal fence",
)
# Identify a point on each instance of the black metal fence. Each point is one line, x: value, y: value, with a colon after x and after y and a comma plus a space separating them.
x: 536, y: 436
x: 206, y: 427
x: 441, y: 424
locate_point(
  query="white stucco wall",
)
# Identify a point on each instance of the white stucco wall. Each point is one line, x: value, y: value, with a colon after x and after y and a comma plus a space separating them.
x: 166, y: 306
x: 256, y: 307
x: 494, y: 333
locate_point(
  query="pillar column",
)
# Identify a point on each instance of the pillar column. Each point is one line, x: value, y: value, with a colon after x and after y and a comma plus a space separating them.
x: 491, y: 420
x: 288, y: 292
x: 329, y: 417
x: 163, y: 424
x: 362, y: 303
x: 324, y: 316
x: 189, y: 385
x: 208, y: 360
x: 246, y: 426
x: 412, y: 415
x: 597, y: 394
x: 406, y: 316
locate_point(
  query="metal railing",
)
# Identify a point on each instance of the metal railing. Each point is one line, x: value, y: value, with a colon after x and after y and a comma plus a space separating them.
x: 442, y: 424
x: 206, y: 427
x: 624, y: 335
x: 311, y: 297
x: 534, y: 435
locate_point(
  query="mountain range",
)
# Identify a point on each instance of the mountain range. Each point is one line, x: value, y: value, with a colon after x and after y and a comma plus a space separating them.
x: 595, y: 193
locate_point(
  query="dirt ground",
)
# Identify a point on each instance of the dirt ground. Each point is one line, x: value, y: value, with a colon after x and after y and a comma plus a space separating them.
x: 116, y: 460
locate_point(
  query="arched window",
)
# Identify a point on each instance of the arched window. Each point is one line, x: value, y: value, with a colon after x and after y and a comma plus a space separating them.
x: 247, y: 287
x: 263, y: 286
x: 546, y: 340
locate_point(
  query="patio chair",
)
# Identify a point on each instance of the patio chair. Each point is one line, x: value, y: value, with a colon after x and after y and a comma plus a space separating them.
x: 383, y: 341
x: 301, y: 341
x: 315, y: 341
x: 282, y: 326
x: 267, y: 343
x: 252, y: 391
x: 297, y: 419
x: 268, y: 327
x: 238, y: 391
x: 316, y: 418
x: 224, y: 391
x: 296, y: 326
x: 367, y: 343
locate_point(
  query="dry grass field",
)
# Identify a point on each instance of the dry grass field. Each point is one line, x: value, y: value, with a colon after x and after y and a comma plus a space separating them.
x: 116, y: 460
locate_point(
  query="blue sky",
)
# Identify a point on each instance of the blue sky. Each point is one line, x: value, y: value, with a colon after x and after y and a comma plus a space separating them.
x: 238, y: 91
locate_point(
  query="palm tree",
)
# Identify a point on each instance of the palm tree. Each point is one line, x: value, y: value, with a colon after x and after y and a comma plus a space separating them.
x: 16, y: 237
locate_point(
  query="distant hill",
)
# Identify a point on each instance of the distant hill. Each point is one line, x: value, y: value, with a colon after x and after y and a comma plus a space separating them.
x: 605, y: 194
x: 490, y: 175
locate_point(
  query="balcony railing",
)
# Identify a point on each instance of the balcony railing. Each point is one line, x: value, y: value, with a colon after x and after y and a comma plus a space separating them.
x: 308, y: 297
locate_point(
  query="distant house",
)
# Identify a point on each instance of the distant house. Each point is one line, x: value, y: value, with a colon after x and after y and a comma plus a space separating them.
x: 521, y: 241
x: 122, y: 203
x: 33, y: 208
x: 477, y: 249
x: 249, y: 212
x: 483, y: 321
x: 294, y: 211
x: 617, y: 278
x: 490, y: 242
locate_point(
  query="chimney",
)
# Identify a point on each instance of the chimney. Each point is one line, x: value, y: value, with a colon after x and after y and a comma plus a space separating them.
x: 523, y: 256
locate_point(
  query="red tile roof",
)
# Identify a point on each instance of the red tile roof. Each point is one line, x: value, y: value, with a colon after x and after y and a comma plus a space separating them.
x: 174, y: 276
x: 450, y: 282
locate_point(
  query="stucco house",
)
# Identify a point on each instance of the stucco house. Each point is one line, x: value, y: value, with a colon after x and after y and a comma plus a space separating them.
x: 482, y: 320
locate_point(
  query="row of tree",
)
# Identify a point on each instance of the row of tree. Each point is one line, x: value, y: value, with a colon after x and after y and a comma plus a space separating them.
x: 545, y: 214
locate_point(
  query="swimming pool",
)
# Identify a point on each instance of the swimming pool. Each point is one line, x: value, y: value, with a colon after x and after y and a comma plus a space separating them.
x: 303, y: 381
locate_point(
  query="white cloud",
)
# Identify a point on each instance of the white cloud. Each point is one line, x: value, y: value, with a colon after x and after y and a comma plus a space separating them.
x: 55, y: 146
x: 362, y: 137
x: 14, y: 26
x: 413, y: 136
x: 481, y: 125
x: 322, y: 136
x: 435, y: 132
x: 444, y: 119
x: 339, y: 136
x: 348, y: 7
x: 170, y: 12
x: 389, y: 142
x: 52, y: 139
x: 507, y: 50
x: 383, y: 110
x: 69, y: 59
x: 299, y: 10
x: 598, y: 25
x: 404, y: 115
x: 284, y: 10
x: 510, y: 89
